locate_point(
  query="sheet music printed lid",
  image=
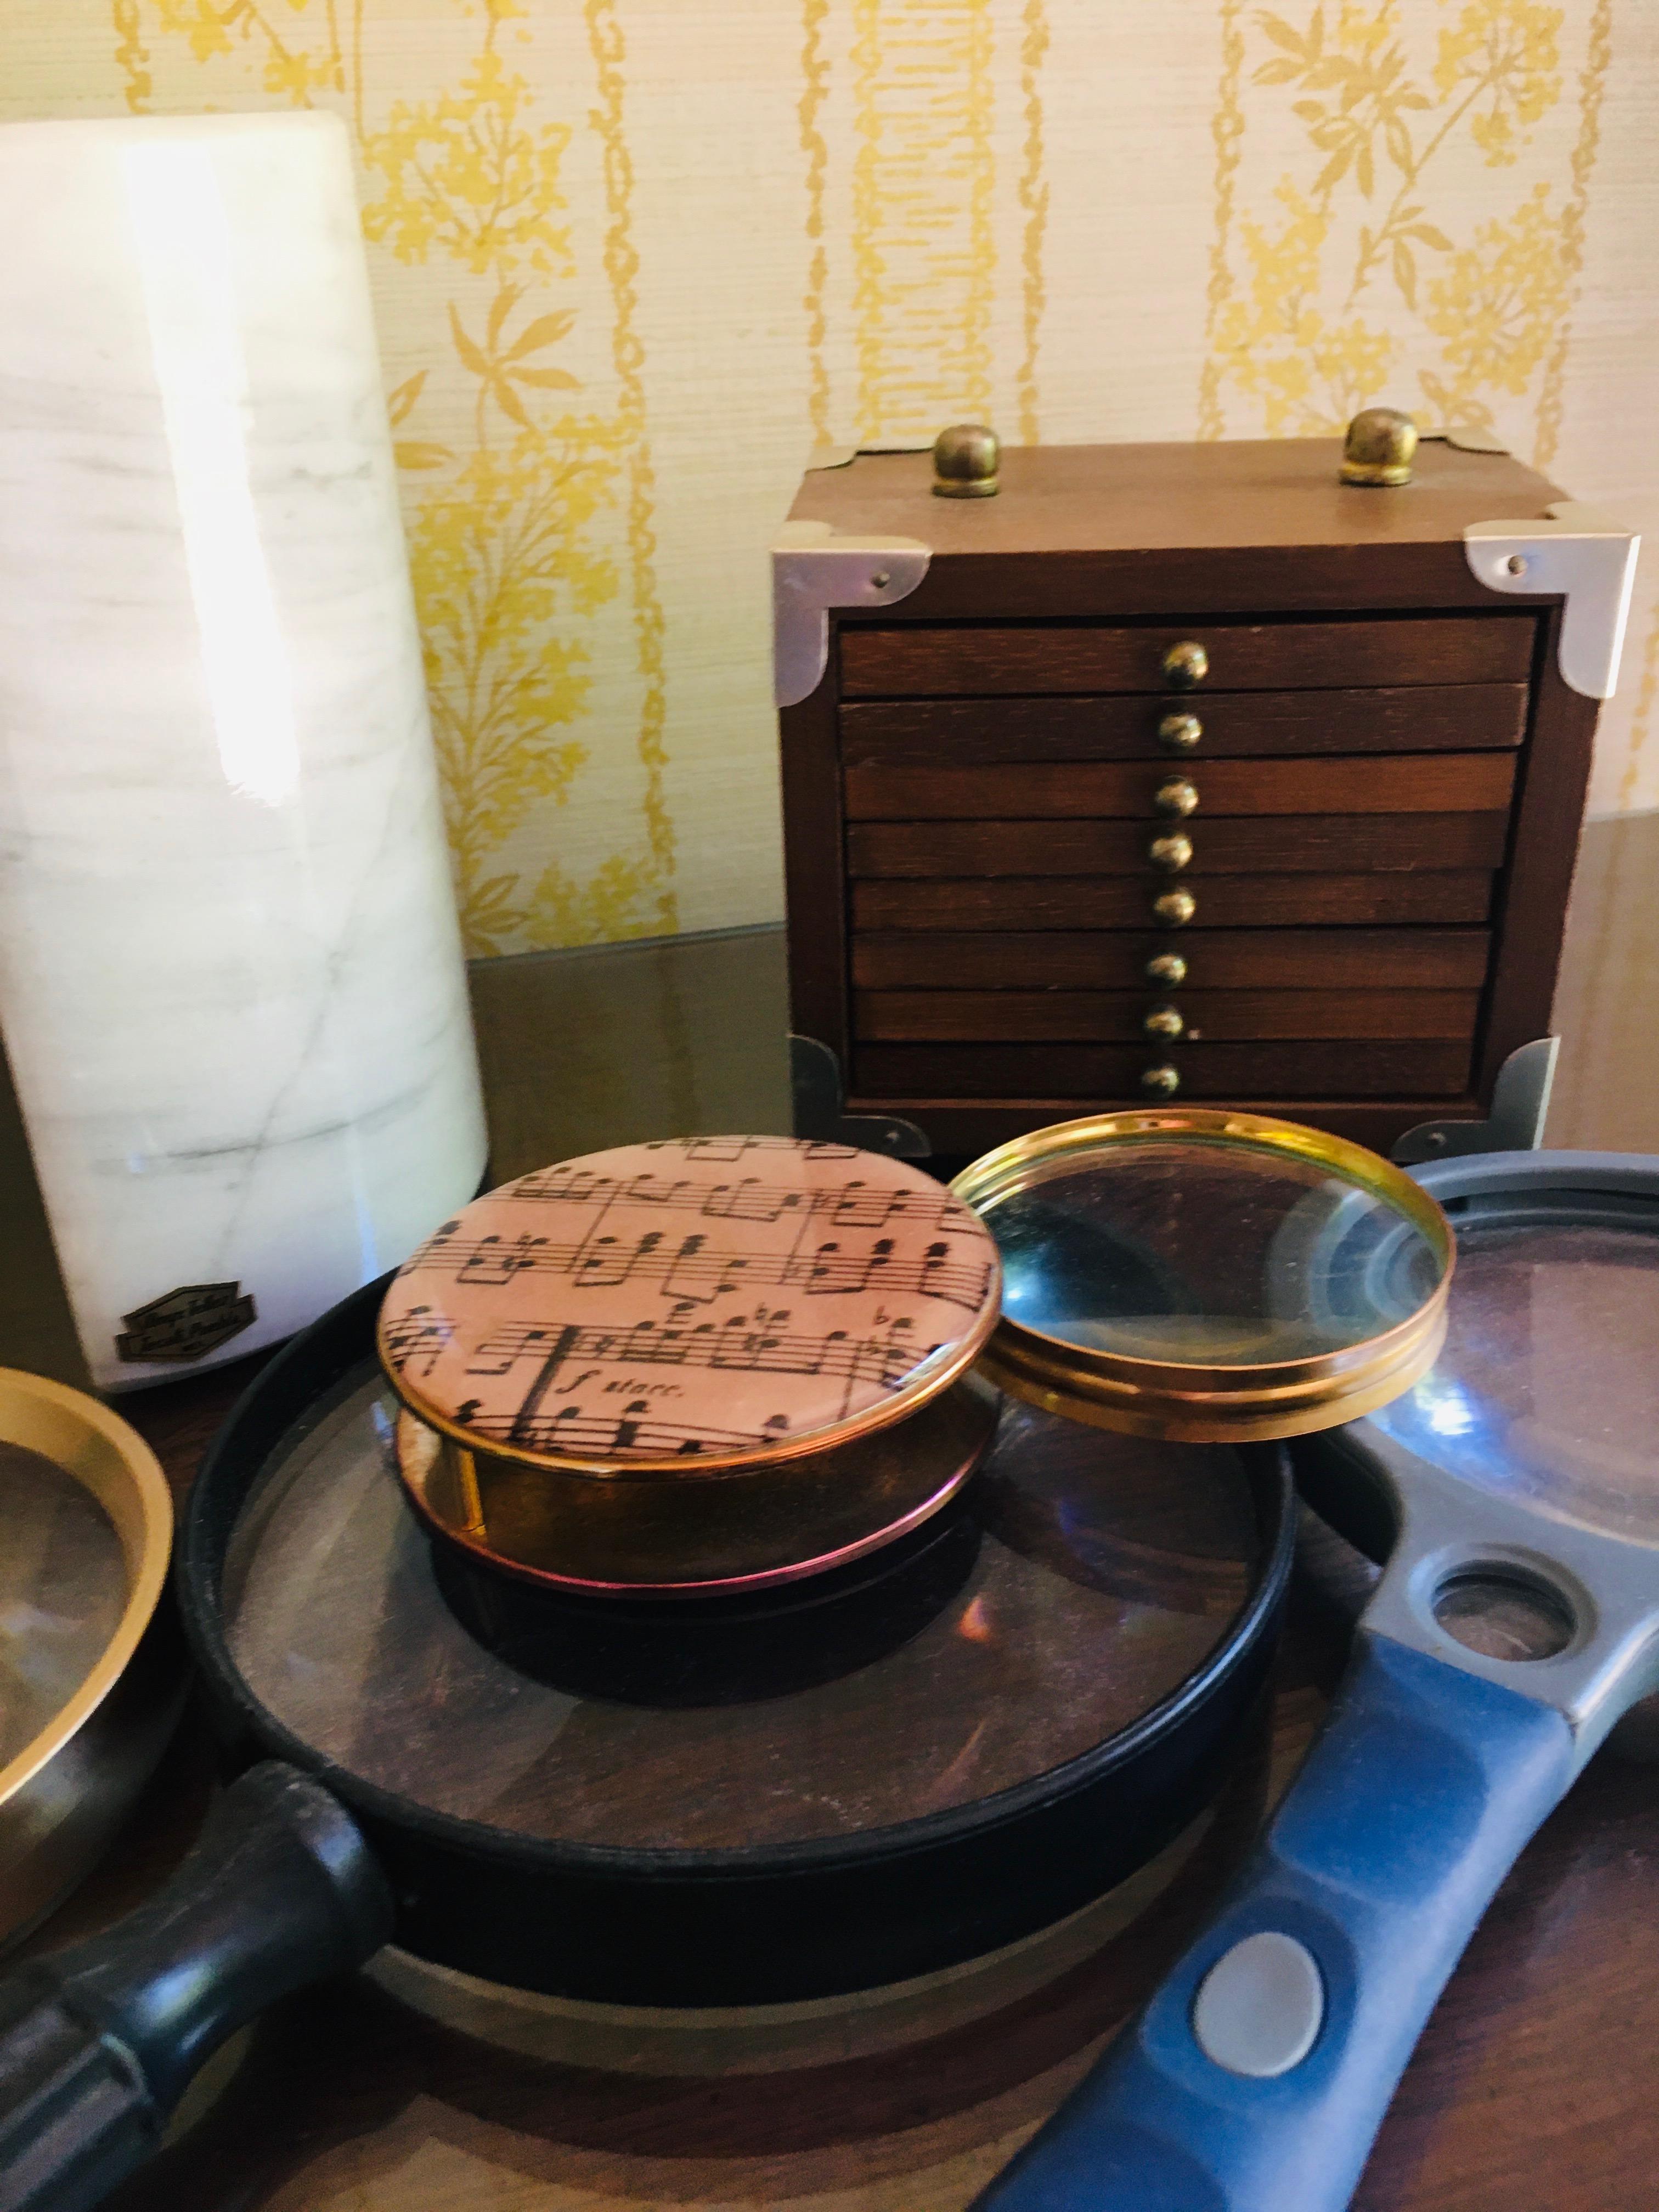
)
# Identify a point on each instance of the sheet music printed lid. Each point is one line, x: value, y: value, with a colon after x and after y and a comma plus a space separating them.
x: 695, y: 1304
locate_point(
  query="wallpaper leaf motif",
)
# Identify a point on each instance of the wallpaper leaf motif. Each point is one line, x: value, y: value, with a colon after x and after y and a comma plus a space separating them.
x: 1356, y: 273
x: 517, y: 544
x: 410, y: 452
x: 469, y: 174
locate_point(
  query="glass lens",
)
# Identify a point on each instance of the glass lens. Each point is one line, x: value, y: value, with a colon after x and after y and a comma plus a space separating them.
x: 1207, y: 1253
x: 63, y: 1592
x: 1107, y: 1569
x: 1547, y: 1389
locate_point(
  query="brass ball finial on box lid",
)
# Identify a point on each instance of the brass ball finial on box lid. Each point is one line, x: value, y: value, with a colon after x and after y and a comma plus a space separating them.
x: 1379, y: 447
x: 965, y: 461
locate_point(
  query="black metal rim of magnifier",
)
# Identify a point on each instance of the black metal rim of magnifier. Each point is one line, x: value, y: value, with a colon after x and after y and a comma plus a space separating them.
x: 762, y: 1924
x: 1481, y: 1190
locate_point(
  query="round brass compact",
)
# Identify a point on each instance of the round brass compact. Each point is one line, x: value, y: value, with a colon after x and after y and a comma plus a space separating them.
x: 693, y: 1368
x: 1208, y: 1277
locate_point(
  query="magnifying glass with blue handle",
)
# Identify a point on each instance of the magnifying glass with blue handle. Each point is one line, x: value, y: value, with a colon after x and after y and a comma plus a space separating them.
x: 1516, y: 1620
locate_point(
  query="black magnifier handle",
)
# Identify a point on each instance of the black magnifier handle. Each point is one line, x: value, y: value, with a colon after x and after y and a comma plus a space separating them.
x: 98, y: 2042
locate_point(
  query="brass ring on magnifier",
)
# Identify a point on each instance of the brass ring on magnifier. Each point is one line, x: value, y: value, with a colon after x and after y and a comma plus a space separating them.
x: 1193, y: 1402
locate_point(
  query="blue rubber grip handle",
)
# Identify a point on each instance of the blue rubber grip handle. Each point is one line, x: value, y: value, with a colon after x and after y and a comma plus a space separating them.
x: 1411, y: 1808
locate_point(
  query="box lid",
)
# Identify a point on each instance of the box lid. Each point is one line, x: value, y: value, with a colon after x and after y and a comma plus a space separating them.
x: 1136, y: 498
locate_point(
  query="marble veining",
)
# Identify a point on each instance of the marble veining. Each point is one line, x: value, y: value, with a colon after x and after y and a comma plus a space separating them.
x: 230, y: 975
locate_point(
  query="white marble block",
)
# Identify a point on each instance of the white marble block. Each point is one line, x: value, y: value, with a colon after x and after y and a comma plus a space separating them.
x: 230, y: 975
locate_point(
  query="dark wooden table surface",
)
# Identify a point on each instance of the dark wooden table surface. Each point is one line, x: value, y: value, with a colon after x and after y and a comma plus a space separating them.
x: 1536, y: 2084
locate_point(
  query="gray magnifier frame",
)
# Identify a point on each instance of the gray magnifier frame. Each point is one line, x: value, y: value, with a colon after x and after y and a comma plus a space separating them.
x: 1256, y: 2077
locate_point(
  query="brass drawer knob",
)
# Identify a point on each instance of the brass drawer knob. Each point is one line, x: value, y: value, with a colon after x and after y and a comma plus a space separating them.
x: 1163, y: 1081
x: 966, y: 458
x: 1163, y: 1022
x: 1379, y: 449
x: 1167, y: 968
x: 1171, y: 853
x: 1186, y: 666
x: 1177, y: 796
x: 1180, y: 733
x: 1175, y: 908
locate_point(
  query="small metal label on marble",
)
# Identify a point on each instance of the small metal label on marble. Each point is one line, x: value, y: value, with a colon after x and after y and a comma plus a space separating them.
x: 187, y: 1323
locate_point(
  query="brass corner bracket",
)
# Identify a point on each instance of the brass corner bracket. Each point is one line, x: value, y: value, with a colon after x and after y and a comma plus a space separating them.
x: 813, y: 569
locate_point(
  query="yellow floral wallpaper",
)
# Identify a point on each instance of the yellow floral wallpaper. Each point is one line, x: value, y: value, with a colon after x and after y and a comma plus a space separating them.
x: 633, y: 259
x: 1331, y: 280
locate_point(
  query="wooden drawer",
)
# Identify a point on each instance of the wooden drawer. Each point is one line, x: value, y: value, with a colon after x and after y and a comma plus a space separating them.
x: 1311, y: 844
x: 982, y: 660
x: 1072, y: 902
x: 1412, y: 719
x: 1115, y: 1017
x: 1115, y: 960
x: 1442, y: 783
x: 1111, y: 1074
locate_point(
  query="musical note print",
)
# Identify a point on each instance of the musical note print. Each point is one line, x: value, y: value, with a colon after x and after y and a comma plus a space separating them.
x: 414, y: 1340
x: 855, y: 1204
x: 688, y: 1269
x: 693, y: 1299
x: 761, y: 1344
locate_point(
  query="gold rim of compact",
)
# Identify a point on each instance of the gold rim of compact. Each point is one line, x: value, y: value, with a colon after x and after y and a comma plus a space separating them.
x: 708, y: 1533
x: 1195, y: 1402
x: 901, y: 1405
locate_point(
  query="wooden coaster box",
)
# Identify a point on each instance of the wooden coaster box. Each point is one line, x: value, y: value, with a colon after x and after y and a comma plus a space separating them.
x: 1184, y: 771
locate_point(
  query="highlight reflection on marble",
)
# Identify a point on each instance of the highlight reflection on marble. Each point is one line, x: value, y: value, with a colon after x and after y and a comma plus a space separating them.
x: 230, y: 975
